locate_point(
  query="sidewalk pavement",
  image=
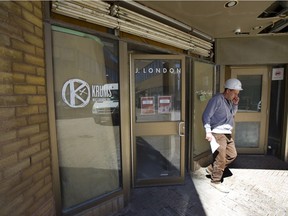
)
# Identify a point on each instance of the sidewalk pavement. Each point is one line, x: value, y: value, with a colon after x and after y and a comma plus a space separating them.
x: 252, y: 192
x: 258, y: 187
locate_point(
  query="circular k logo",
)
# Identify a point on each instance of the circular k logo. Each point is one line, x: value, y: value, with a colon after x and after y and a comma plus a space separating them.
x: 76, y: 93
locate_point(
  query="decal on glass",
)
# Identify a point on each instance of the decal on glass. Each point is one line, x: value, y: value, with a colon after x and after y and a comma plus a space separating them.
x: 76, y: 93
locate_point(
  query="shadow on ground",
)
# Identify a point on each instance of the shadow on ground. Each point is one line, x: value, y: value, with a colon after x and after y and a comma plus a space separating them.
x: 165, y: 201
x: 259, y: 162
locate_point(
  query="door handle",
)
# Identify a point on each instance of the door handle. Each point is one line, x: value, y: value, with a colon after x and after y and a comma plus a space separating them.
x: 181, y: 128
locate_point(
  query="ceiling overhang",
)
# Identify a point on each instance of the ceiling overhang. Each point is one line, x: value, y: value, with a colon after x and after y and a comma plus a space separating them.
x: 218, y: 21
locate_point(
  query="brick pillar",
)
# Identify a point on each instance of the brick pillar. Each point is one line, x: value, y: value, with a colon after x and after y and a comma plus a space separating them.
x: 25, y: 156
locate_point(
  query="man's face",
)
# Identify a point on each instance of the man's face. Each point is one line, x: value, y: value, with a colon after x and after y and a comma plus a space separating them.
x: 232, y: 94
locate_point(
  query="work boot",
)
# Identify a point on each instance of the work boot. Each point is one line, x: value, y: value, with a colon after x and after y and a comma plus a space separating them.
x: 220, y: 187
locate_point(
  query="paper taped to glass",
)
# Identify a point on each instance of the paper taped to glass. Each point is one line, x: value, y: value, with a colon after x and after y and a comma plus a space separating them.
x: 213, y: 144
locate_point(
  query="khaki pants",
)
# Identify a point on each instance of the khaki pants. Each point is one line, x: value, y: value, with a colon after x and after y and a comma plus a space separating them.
x: 223, y: 156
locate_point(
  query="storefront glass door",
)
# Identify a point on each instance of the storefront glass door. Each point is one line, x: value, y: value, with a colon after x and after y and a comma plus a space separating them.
x: 158, y: 127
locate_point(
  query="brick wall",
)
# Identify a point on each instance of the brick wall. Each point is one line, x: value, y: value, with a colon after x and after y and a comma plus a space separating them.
x: 25, y: 156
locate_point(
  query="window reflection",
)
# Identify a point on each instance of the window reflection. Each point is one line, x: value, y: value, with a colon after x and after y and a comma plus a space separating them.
x: 86, y: 91
x: 106, y: 108
x: 157, y: 90
x: 158, y: 156
x: 250, y: 97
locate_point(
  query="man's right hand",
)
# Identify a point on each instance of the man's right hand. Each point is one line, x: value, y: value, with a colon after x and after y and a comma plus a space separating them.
x: 209, y: 136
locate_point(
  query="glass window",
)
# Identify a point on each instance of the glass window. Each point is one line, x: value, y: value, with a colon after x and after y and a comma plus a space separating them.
x: 250, y: 97
x: 247, y: 134
x: 158, y: 156
x: 157, y: 90
x: 87, y: 115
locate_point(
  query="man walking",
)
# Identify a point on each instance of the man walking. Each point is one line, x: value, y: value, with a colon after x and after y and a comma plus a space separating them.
x: 218, y: 121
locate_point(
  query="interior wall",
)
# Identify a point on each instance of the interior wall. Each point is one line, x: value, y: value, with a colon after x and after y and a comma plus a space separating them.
x: 252, y: 50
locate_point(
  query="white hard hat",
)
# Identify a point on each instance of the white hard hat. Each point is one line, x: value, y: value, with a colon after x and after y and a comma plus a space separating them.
x: 233, y: 84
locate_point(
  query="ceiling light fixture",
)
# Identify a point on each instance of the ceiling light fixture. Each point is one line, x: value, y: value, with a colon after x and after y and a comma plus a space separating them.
x: 257, y: 27
x: 231, y: 3
x: 237, y: 31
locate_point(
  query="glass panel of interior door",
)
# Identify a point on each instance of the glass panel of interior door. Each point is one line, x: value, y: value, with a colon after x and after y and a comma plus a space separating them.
x: 251, y: 96
x: 158, y: 116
